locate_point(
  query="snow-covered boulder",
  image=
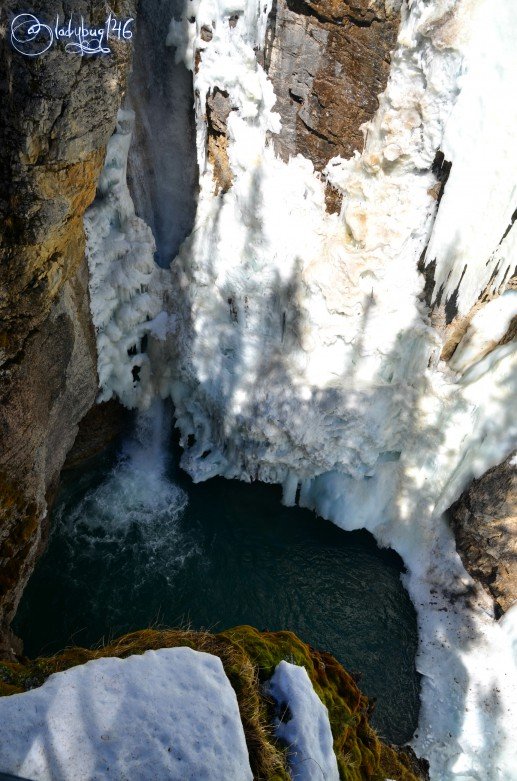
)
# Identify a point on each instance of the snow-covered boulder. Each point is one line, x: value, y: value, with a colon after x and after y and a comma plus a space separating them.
x: 169, y: 714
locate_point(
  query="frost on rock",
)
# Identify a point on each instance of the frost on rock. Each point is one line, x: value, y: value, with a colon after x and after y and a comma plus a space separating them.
x: 126, y: 286
x: 305, y: 353
x: 169, y: 714
x: 303, y: 725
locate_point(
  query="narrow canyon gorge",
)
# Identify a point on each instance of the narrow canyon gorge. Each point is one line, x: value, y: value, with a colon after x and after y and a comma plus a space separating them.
x: 269, y: 242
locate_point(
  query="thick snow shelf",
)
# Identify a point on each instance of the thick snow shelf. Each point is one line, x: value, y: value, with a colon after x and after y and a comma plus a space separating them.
x: 303, y: 725
x: 170, y: 715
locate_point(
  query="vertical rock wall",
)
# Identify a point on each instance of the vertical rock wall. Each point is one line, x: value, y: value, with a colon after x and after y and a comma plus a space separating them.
x: 328, y: 63
x: 57, y: 114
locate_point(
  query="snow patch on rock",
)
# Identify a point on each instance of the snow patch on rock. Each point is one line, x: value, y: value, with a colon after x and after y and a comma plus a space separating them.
x: 302, y: 724
x: 486, y: 328
x: 169, y: 714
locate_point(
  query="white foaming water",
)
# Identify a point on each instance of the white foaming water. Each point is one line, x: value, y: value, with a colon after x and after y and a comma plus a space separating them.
x: 137, y: 495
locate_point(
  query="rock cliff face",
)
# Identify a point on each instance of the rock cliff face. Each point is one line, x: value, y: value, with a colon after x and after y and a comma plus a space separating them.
x: 58, y: 112
x: 485, y: 526
x: 328, y: 63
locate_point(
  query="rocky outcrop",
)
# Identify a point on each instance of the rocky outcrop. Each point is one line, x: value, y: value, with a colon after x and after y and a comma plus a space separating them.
x: 485, y: 525
x: 42, y: 398
x: 218, y: 109
x: 328, y: 62
x: 58, y: 112
x: 100, y: 427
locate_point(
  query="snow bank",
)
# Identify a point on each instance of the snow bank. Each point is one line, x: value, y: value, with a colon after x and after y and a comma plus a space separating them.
x: 169, y: 714
x: 303, y: 724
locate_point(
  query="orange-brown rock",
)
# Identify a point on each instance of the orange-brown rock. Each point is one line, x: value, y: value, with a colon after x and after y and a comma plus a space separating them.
x: 218, y: 109
x: 57, y: 113
x: 328, y: 62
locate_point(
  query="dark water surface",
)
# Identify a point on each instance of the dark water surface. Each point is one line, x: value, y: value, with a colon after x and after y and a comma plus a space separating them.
x: 134, y: 544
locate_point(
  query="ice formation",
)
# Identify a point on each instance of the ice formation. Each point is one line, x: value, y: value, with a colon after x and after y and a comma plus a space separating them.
x: 486, y: 329
x: 126, y: 286
x: 169, y: 714
x: 303, y: 351
x: 303, y: 725
x: 473, y: 241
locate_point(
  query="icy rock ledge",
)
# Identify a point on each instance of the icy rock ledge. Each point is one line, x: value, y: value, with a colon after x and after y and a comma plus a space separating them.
x: 169, y: 714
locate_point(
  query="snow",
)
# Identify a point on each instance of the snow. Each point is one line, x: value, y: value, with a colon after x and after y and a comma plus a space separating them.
x: 479, y: 140
x: 486, y: 328
x: 304, y: 727
x: 169, y: 714
x: 299, y: 349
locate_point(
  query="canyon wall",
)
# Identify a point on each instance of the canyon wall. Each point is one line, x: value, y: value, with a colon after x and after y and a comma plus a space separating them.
x: 340, y: 320
x: 57, y: 114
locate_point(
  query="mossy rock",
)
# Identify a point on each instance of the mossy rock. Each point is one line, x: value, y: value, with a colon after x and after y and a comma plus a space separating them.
x: 249, y: 658
x: 360, y: 753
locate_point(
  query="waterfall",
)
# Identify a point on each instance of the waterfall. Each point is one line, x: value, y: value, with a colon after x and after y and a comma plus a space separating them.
x: 137, y: 496
x: 162, y: 165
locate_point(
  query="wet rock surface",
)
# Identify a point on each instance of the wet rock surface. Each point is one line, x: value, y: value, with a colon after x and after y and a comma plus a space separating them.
x: 101, y: 426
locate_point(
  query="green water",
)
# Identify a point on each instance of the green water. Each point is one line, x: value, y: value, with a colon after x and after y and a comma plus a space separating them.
x: 131, y: 548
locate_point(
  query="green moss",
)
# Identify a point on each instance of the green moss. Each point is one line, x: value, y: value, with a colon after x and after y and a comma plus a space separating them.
x: 360, y: 753
x: 249, y: 658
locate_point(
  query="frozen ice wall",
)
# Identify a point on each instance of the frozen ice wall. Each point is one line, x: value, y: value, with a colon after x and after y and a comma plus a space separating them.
x: 126, y: 286
x: 299, y: 347
x: 305, y: 352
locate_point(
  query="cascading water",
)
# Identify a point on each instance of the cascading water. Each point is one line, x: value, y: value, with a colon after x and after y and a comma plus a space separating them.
x: 135, y: 506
